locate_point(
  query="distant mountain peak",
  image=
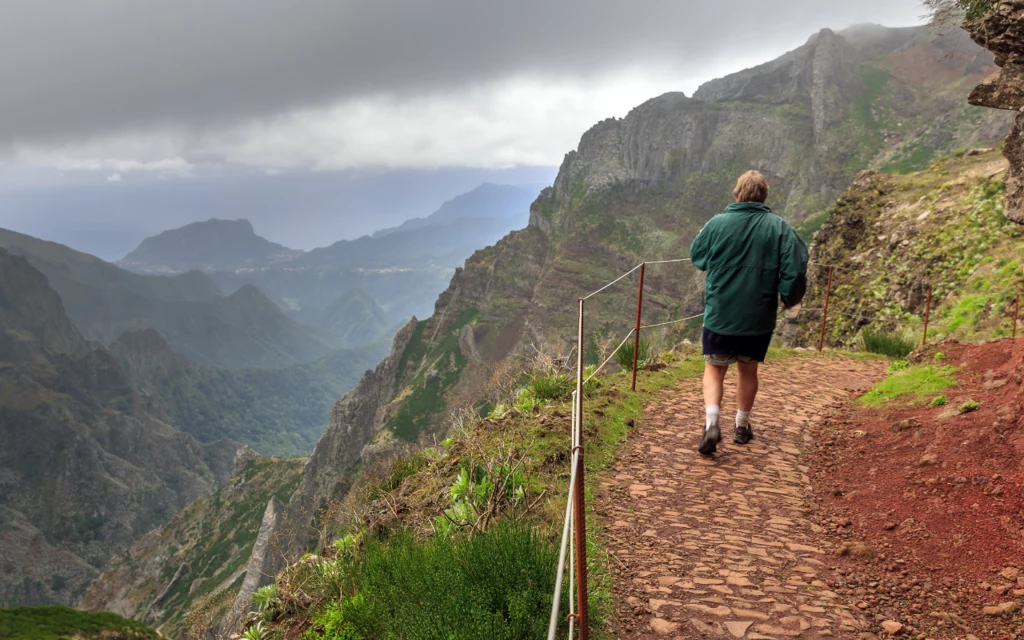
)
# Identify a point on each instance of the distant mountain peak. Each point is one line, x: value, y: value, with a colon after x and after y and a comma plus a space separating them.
x: 251, y: 294
x: 210, y: 245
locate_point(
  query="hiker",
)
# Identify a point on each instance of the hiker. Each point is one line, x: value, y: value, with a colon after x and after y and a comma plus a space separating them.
x: 752, y: 258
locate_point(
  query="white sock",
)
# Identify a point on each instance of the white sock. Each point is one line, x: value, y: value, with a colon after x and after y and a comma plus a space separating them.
x: 711, y: 412
x: 742, y: 419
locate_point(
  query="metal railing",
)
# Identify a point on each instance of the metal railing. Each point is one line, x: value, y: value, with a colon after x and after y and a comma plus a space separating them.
x: 573, y: 547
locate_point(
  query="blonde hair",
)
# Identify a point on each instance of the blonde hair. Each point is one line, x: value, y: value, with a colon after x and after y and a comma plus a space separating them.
x: 751, y: 187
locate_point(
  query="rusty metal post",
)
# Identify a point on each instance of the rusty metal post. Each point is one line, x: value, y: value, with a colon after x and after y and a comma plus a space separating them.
x: 579, y: 498
x: 927, y: 316
x: 824, y: 312
x: 1016, y: 308
x: 636, y: 331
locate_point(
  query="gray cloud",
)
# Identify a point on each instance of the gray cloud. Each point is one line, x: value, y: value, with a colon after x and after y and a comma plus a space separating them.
x: 73, y: 70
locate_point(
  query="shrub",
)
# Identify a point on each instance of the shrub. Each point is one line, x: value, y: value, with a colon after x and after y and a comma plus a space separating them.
x: 939, y: 401
x: 969, y: 406
x: 526, y: 402
x: 256, y: 632
x: 893, y: 345
x: 494, y: 585
x: 557, y: 387
x: 645, y: 355
x: 474, y: 493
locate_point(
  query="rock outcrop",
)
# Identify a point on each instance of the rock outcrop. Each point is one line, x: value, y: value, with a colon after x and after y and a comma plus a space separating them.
x: 263, y: 565
x: 1001, y: 31
x: 890, y: 238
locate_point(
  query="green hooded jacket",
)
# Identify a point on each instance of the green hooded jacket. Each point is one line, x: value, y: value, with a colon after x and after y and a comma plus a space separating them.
x: 751, y: 256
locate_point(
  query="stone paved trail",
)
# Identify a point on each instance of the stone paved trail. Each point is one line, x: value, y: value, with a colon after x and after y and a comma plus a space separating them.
x: 724, y: 547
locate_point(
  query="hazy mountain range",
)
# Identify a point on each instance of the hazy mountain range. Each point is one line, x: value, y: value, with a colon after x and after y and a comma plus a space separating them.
x: 400, y: 270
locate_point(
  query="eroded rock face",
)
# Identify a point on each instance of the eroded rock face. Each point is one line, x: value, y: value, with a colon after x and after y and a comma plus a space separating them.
x: 264, y: 563
x: 1002, y: 33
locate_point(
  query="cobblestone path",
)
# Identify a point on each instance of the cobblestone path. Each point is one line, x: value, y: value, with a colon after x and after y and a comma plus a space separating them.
x: 724, y: 547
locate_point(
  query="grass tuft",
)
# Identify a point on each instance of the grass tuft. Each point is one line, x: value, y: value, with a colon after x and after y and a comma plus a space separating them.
x: 969, y: 406
x: 915, y: 383
x: 893, y: 345
x: 645, y: 355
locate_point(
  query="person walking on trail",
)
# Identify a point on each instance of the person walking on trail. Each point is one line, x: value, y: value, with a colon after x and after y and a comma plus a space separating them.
x: 752, y: 258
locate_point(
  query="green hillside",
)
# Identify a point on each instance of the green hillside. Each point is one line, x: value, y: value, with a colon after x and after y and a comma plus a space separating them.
x: 61, y: 623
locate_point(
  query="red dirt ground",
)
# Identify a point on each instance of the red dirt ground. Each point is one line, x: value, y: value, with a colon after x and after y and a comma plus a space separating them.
x: 941, y: 501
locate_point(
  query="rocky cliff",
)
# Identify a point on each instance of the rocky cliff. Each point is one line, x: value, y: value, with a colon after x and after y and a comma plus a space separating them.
x: 640, y: 188
x: 86, y: 466
x: 891, y: 237
x: 1001, y: 31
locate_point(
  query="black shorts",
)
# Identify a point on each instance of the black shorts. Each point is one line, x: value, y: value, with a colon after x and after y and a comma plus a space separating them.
x: 748, y: 348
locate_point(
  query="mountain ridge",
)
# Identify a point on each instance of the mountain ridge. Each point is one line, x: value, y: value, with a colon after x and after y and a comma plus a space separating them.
x: 86, y: 464
x: 402, y: 268
x: 189, y: 310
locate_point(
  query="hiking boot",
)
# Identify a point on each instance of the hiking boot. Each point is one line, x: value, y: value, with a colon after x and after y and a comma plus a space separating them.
x: 709, y: 444
x: 743, y: 435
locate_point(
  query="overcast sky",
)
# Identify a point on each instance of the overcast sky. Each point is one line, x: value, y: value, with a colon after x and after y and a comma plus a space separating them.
x: 116, y: 90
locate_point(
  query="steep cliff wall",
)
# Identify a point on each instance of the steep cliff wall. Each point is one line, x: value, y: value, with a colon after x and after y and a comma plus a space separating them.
x: 199, y: 560
x: 1001, y: 31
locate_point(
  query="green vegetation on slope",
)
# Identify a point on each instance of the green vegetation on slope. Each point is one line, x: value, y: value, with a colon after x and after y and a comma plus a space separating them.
x: 893, y: 236
x: 61, y: 623
x: 918, y: 383
x: 480, y: 545
x: 810, y: 226
x: 428, y: 371
x: 868, y: 118
x: 494, y: 585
